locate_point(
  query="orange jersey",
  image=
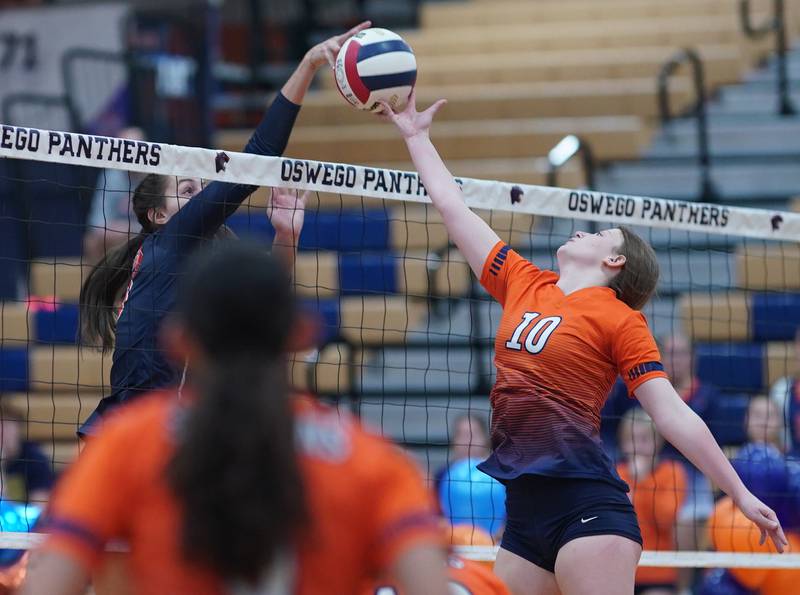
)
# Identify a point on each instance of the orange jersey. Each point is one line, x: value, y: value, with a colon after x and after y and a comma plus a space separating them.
x: 367, y: 503
x: 657, y: 499
x: 464, y: 577
x: 557, y: 357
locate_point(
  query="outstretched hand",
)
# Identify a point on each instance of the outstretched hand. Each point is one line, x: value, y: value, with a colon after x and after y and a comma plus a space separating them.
x: 327, y: 50
x: 410, y: 122
x: 286, y: 211
x: 765, y: 519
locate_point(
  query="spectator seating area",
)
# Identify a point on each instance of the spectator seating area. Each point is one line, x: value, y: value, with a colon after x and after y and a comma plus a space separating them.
x: 746, y: 335
x: 520, y: 75
x: 382, y: 274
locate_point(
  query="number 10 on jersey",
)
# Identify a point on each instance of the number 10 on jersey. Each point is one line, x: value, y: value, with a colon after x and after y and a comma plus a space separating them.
x: 538, y: 334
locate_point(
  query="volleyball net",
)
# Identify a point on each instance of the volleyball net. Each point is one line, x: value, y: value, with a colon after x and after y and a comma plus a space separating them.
x: 407, y: 334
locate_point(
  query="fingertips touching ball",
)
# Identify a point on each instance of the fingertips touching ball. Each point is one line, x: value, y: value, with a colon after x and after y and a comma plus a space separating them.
x: 376, y: 65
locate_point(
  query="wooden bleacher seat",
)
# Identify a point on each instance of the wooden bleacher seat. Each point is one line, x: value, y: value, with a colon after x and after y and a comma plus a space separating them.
x: 316, y: 274
x: 448, y: 15
x: 61, y: 279
x: 614, y: 137
x: 780, y: 361
x: 763, y: 267
x: 415, y: 227
x: 672, y: 32
x: 61, y: 452
x: 53, y: 416
x: 628, y: 96
x: 413, y: 274
x: 326, y: 372
x: 452, y: 278
x: 370, y: 321
x: 65, y: 368
x: 716, y: 316
x: 16, y: 324
x: 726, y: 64
x: 514, y: 229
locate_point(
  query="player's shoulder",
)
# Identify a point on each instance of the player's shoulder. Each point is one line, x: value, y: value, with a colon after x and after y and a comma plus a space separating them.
x: 614, y: 312
x: 332, y: 436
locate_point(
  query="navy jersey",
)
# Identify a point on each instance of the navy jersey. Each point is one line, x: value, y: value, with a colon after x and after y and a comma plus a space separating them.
x: 138, y: 365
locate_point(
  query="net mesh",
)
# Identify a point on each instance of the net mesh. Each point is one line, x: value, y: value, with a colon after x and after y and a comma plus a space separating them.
x: 407, y: 333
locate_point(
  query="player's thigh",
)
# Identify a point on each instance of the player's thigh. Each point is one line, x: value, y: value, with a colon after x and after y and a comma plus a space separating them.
x: 598, y: 565
x: 523, y: 577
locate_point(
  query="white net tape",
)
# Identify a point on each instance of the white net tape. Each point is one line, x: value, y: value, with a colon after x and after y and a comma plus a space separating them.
x: 102, y: 152
x: 244, y: 168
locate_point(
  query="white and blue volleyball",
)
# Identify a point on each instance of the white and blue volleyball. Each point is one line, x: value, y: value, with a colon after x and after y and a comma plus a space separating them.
x: 376, y: 65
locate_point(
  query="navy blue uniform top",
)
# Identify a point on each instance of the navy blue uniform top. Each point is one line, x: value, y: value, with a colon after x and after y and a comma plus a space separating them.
x: 138, y: 365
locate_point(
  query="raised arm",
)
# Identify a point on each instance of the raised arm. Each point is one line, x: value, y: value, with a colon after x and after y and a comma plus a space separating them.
x: 205, y: 213
x: 471, y: 234
x: 286, y: 212
x: 684, y: 429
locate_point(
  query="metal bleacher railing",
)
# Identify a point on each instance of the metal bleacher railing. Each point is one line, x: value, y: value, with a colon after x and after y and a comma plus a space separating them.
x: 689, y: 56
x: 776, y: 25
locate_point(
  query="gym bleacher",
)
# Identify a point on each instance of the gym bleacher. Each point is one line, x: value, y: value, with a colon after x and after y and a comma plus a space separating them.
x: 519, y: 76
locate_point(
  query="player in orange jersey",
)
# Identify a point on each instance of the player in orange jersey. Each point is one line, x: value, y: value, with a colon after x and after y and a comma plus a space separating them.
x: 562, y: 341
x: 237, y: 488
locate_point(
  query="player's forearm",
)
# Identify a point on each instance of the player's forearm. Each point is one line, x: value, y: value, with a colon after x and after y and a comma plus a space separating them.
x: 684, y: 429
x: 51, y: 573
x: 473, y: 237
x: 284, y: 248
x: 445, y: 194
x: 298, y: 84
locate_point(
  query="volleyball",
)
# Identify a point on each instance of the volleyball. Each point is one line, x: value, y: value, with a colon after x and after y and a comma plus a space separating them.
x: 376, y: 65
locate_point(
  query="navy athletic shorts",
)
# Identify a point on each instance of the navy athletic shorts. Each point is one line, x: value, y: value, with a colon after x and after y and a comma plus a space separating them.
x: 544, y: 513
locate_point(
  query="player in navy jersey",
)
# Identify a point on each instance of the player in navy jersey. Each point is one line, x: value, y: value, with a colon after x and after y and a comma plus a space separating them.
x: 129, y: 292
x: 562, y: 341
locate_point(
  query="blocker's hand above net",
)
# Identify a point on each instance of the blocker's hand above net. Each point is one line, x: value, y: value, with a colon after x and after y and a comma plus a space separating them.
x: 326, y: 51
x: 410, y: 122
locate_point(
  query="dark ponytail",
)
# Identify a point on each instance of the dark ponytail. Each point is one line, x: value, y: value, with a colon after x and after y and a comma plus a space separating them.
x: 235, y: 470
x: 102, y: 288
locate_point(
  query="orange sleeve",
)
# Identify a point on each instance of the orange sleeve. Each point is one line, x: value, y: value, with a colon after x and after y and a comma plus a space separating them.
x: 635, y: 352
x: 504, y: 268
x: 92, y: 500
x: 404, y: 514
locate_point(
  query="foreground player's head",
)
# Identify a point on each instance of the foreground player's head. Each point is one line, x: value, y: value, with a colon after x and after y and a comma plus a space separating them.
x: 626, y: 262
x: 235, y: 470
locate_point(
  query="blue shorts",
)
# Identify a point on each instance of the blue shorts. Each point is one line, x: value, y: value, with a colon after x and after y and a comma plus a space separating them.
x: 544, y: 513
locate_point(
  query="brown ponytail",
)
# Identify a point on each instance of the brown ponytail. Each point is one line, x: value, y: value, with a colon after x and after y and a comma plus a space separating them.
x: 235, y: 470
